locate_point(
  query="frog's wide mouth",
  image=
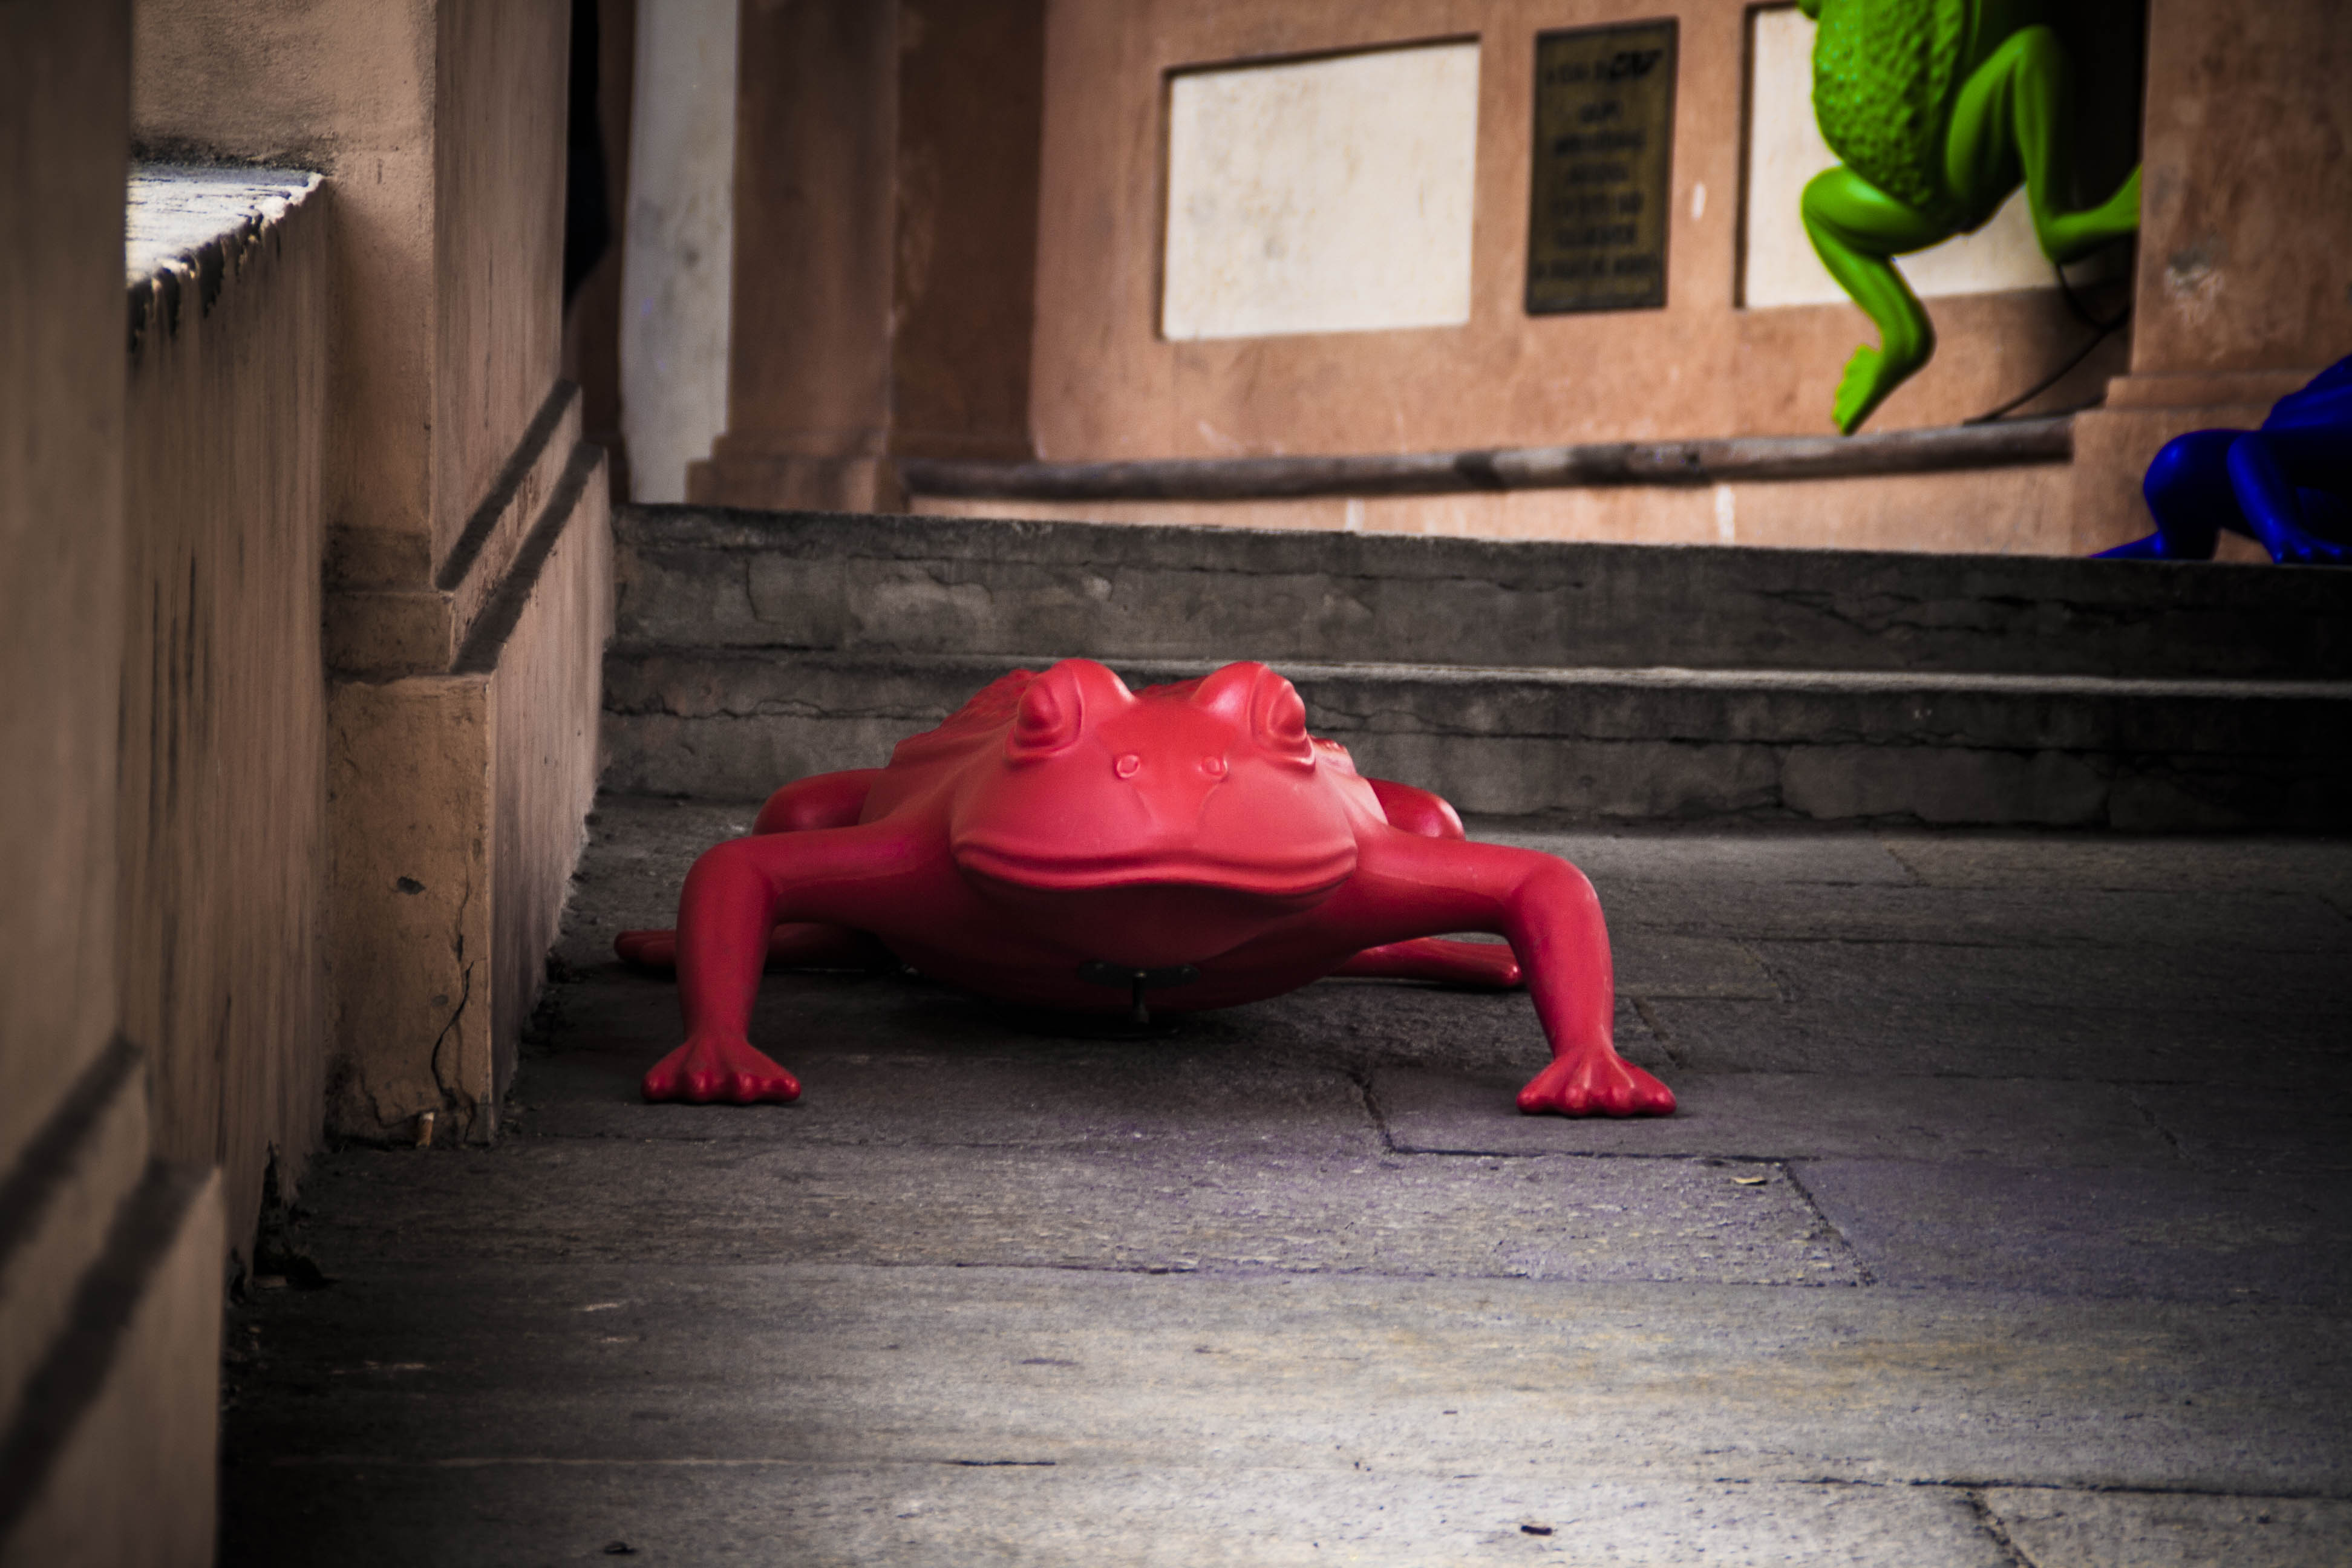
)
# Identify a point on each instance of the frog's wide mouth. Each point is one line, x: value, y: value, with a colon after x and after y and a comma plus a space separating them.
x: 1289, y: 878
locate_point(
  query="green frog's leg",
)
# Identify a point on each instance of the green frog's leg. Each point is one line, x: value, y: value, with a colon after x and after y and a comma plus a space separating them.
x: 1855, y: 228
x: 2014, y: 120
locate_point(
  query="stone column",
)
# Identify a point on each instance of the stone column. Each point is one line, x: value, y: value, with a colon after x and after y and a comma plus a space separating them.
x: 885, y: 215
x: 2244, y: 286
x: 808, y: 388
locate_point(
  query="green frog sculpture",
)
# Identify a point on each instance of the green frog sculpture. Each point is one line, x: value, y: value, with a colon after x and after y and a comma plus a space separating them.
x: 1940, y: 108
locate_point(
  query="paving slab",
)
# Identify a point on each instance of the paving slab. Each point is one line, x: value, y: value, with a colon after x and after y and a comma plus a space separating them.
x: 2173, y: 980
x: 1859, y: 1033
x: 2145, y: 1235
x: 1995, y: 858
x: 1794, y: 1115
x: 2140, y: 919
x: 1211, y: 1206
x: 2282, y: 1126
x: 2169, y: 1530
x: 1072, y: 1513
x: 1412, y: 1379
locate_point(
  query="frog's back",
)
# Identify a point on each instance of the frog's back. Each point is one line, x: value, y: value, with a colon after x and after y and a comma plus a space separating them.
x: 1884, y: 72
x: 963, y: 737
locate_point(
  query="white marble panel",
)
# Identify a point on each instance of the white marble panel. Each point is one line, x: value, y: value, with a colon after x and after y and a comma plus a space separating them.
x: 1785, y: 150
x: 1328, y: 195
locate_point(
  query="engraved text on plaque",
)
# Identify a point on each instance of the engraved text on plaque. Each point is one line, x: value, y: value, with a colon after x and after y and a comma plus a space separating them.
x: 1604, y: 144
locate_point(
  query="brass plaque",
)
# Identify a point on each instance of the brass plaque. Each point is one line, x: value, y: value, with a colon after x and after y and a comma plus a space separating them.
x: 1604, y: 159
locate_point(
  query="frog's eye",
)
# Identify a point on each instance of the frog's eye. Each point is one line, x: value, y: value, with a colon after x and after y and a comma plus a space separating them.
x: 1282, y: 720
x: 1252, y: 696
x: 1047, y: 720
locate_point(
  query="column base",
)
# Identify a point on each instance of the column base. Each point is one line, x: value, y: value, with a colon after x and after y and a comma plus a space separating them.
x: 2115, y: 443
x: 794, y: 483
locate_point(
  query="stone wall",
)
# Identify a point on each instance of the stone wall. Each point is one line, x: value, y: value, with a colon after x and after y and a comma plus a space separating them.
x: 458, y: 535
x: 457, y: 802
x: 346, y: 87
x: 109, y: 1260
x: 222, y: 817
x: 499, y: 105
x: 546, y: 698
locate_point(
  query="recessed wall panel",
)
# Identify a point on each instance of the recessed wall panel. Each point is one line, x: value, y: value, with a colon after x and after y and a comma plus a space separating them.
x: 1326, y: 195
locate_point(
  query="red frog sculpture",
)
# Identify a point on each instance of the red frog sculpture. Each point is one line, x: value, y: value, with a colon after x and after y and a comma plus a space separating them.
x: 1063, y: 842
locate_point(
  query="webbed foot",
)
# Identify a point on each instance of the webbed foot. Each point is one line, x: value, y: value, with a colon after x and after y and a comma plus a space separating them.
x: 2070, y: 236
x: 648, y: 949
x: 1595, y: 1084
x: 2292, y: 546
x: 714, y: 1070
x: 1870, y: 378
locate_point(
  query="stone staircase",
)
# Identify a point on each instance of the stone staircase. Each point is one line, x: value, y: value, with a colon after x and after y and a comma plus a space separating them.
x: 1593, y: 681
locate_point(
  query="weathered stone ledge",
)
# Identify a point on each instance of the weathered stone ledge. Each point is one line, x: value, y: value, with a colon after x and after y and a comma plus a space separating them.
x: 1998, y: 444
x: 188, y: 226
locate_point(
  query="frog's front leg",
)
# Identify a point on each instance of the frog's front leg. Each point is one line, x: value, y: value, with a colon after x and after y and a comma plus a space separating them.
x: 1405, y: 886
x: 734, y: 897
x: 1857, y: 229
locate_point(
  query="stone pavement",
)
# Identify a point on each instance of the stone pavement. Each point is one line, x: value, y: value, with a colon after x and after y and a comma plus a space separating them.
x: 2005, y: 1222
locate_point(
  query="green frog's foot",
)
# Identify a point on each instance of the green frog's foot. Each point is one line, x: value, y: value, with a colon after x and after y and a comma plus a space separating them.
x: 2074, y: 236
x: 2123, y: 208
x: 1869, y: 377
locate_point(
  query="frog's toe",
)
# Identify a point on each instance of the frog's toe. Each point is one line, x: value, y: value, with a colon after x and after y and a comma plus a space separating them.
x: 1860, y: 390
x: 2294, y: 547
x: 719, y: 1072
x: 1595, y: 1086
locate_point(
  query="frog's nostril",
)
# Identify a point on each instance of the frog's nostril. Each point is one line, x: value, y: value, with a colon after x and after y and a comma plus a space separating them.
x: 1126, y: 765
x: 1214, y: 766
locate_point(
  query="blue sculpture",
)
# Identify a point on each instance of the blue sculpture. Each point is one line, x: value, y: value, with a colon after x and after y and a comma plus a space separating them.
x: 2288, y: 485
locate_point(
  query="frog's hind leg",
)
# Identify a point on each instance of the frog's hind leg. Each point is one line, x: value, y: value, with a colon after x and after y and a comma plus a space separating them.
x: 795, y: 945
x: 2014, y: 120
x: 1486, y: 966
x: 2189, y: 495
x: 2288, y: 485
x: 1857, y: 229
x: 1417, y: 810
x: 804, y: 805
x: 821, y: 800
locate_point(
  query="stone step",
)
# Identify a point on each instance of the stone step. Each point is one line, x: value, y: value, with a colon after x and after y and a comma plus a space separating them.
x: 709, y: 577
x: 1588, y: 741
